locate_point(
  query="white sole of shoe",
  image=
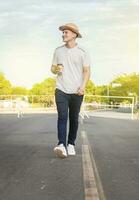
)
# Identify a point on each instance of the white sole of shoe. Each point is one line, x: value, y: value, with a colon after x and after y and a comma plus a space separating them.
x: 70, y: 154
x: 59, y: 153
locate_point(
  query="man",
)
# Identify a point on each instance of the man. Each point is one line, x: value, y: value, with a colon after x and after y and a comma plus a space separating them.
x: 71, y: 63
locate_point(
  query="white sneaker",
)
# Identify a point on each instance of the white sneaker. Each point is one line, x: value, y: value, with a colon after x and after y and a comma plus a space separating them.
x: 71, y: 149
x: 60, y: 151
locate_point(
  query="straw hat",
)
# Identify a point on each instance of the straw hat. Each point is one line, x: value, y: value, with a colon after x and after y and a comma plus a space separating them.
x: 72, y: 27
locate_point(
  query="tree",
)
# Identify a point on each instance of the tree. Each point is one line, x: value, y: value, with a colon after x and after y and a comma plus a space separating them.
x: 45, y: 87
x: 5, y: 85
x: 19, y: 90
x: 90, y: 88
x: 129, y: 83
x: 36, y: 89
x: 101, y: 90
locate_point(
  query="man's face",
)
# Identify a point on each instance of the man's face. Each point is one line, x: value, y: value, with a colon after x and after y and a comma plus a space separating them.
x: 68, y: 35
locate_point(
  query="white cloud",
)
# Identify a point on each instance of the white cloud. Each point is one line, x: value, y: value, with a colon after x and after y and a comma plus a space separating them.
x: 126, y: 26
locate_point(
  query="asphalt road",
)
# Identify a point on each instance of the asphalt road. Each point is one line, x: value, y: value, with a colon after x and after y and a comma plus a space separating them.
x: 115, y: 145
x: 30, y: 171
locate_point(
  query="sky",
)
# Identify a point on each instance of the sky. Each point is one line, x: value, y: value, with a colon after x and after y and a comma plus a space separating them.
x: 29, y: 35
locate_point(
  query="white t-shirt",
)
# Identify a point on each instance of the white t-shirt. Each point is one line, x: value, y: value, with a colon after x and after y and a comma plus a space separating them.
x: 73, y: 60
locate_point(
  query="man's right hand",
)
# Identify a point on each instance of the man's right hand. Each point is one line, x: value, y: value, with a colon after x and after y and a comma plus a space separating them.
x: 55, y: 69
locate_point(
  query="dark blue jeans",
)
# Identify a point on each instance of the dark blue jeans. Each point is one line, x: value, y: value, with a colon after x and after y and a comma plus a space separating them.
x: 67, y: 105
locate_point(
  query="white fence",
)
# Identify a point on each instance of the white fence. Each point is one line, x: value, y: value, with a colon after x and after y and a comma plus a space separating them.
x: 126, y: 104
x: 46, y: 103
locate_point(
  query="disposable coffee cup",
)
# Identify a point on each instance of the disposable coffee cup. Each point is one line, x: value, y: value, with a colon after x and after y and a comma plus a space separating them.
x: 60, y: 67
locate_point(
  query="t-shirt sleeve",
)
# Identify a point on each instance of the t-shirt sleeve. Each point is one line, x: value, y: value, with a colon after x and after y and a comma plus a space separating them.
x: 54, y: 59
x: 87, y: 59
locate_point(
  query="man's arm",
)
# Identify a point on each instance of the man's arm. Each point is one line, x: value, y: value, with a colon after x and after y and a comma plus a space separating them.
x: 54, y: 68
x: 86, y: 77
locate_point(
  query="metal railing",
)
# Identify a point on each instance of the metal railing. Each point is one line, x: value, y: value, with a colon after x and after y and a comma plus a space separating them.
x: 46, y: 103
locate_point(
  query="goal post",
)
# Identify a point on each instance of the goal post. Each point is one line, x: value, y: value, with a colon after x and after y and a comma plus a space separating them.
x: 104, y: 103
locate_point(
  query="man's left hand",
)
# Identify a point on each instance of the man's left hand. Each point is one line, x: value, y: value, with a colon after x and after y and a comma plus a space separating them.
x: 80, y: 91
